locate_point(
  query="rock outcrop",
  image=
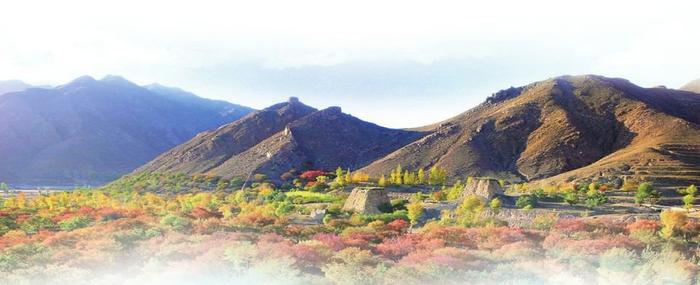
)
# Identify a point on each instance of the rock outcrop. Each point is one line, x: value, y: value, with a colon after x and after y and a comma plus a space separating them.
x: 484, y: 188
x: 366, y: 200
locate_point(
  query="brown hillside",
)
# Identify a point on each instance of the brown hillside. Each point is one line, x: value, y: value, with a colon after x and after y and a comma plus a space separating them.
x: 284, y: 137
x: 603, y: 126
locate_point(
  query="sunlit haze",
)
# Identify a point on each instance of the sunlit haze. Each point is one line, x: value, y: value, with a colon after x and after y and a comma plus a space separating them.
x: 395, y: 63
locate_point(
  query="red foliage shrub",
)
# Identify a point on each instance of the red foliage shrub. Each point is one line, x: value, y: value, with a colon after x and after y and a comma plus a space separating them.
x: 691, y: 228
x: 643, y: 225
x: 399, y: 247
x: 570, y: 226
x: 491, y: 238
x: 452, y: 236
x: 202, y: 213
x: 597, y: 246
x: 310, y: 255
x: 359, y: 239
x: 109, y: 214
x: 331, y: 240
x: 448, y: 257
x: 310, y: 175
x: 22, y: 217
x: 399, y: 225
x: 607, y: 225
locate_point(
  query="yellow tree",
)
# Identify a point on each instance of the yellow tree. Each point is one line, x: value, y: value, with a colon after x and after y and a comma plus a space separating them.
x: 672, y: 221
x: 415, y: 211
x: 382, y: 181
x: 339, y: 178
x: 348, y: 176
x: 421, y: 176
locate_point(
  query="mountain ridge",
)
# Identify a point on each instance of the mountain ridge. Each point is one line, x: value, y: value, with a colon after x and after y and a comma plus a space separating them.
x: 289, y: 142
x: 92, y: 131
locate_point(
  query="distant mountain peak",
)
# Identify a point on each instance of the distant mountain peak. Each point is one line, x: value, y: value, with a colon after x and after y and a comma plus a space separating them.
x: 13, y: 85
x: 692, y: 86
x: 99, y: 129
x: 82, y: 80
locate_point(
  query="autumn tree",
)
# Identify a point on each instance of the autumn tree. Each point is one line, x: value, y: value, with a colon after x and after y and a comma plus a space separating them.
x: 348, y: 176
x: 396, y: 176
x: 415, y: 211
x: 339, y: 177
x: 382, y: 181
x: 672, y: 221
x: 455, y: 191
x: 437, y: 176
x: 359, y: 177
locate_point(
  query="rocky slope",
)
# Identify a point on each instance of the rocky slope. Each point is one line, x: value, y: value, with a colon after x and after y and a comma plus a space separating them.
x: 281, y: 138
x: 92, y: 131
x: 565, y: 128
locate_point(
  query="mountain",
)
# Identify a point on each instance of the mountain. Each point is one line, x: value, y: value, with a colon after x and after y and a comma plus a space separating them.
x: 7, y: 86
x: 563, y: 129
x: 692, y: 86
x: 92, y: 131
x: 222, y: 107
x: 283, y: 137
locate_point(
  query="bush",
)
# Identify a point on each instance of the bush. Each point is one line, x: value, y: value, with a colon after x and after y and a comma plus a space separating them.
x: 545, y: 221
x: 672, y: 221
x: 596, y: 198
x: 646, y: 193
x: 74, y: 223
x: 386, y: 217
x: 175, y: 222
x: 37, y: 223
x: 526, y: 201
x: 495, y: 204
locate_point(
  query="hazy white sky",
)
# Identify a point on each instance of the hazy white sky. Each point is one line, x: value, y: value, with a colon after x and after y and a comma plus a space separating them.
x: 396, y: 63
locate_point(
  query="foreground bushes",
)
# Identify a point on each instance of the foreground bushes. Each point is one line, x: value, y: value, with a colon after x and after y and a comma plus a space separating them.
x: 251, y: 237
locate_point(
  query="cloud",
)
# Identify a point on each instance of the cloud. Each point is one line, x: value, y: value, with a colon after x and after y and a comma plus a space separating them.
x: 260, y: 52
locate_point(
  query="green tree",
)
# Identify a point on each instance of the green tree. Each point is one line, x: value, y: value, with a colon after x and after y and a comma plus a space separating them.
x: 595, y: 198
x: 455, y: 191
x: 646, y: 193
x: 526, y: 201
x: 571, y: 197
x: 689, y: 198
x: 495, y: 204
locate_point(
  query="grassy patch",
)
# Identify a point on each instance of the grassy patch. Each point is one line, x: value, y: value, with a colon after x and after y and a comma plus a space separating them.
x: 305, y: 197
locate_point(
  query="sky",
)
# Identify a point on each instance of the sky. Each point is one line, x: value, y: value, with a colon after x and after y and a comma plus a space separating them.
x: 394, y: 63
